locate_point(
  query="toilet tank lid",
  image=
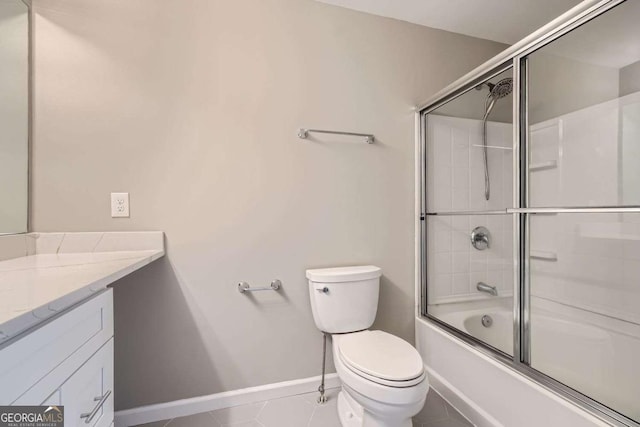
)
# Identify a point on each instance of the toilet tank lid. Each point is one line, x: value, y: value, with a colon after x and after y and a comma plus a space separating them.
x: 344, y: 274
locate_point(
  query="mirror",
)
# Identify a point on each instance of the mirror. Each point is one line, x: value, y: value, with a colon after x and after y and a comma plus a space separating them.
x: 14, y: 116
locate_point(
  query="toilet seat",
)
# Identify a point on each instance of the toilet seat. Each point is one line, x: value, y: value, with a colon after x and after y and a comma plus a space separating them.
x: 388, y: 383
x: 381, y: 358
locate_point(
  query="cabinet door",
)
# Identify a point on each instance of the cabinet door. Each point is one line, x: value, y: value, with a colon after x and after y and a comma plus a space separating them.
x: 87, y: 395
x: 36, y: 364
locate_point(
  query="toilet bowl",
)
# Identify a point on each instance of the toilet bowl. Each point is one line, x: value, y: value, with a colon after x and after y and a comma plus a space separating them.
x: 384, y: 383
x: 374, y: 393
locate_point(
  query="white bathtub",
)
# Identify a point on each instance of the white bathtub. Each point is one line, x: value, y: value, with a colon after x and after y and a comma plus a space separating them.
x: 586, y: 351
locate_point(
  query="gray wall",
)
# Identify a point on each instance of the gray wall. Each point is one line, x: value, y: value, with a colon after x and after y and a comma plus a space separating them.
x: 560, y: 85
x: 192, y: 106
x: 630, y: 79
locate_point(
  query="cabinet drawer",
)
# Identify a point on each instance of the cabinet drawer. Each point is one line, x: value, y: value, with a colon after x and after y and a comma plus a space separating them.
x: 37, y: 363
x: 88, y: 395
x: 78, y: 394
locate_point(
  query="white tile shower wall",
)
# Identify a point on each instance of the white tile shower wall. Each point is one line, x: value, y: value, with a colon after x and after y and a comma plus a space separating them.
x: 455, y: 165
x: 598, y: 255
x: 455, y: 267
x: 456, y: 183
x: 598, y: 263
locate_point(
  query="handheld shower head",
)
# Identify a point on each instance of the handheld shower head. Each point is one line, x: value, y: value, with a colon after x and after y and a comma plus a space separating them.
x: 496, y: 91
x: 501, y: 89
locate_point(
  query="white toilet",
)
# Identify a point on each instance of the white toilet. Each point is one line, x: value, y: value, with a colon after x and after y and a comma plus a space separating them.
x: 383, y: 379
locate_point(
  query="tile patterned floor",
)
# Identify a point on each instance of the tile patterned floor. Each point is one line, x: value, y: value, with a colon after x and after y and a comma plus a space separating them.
x: 303, y: 411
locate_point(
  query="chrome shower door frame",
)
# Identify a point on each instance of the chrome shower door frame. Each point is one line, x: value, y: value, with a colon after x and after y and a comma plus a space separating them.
x: 515, y: 58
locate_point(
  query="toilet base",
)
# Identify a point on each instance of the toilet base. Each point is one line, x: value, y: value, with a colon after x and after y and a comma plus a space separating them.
x: 349, y: 412
x: 352, y: 414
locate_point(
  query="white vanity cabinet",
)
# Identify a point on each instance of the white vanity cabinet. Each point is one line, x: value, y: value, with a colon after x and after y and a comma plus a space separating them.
x: 56, y: 319
x: 87, y: 395
x: 66, y: 361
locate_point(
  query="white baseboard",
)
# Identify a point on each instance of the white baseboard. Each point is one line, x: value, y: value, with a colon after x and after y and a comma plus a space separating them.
x: 468, y: 408
x: 196, y: 405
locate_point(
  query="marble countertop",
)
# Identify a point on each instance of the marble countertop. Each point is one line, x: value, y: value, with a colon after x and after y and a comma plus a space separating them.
x: 37, y: 286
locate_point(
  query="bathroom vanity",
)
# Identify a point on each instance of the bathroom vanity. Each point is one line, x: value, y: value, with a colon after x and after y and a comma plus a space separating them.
x: 56, y: 310
x: 56, y: 318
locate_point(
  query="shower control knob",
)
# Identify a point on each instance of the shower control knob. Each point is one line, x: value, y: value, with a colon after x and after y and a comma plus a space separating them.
x: 480, y: 238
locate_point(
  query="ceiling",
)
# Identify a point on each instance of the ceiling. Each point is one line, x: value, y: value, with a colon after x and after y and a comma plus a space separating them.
x: 505, y: 21
x: 611, y: 40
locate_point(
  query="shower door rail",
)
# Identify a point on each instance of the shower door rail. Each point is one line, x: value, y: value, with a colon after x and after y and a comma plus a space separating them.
x: 543, y: 210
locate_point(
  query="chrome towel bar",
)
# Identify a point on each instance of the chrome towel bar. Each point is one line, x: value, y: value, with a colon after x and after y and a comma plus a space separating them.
x: 304, y: 133
x: 245, y: 287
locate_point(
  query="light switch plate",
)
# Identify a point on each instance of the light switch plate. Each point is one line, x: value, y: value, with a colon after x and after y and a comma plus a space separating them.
x: 119, y: 205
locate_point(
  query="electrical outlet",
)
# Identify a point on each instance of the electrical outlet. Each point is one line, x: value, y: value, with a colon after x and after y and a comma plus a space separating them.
x: 119, y: 205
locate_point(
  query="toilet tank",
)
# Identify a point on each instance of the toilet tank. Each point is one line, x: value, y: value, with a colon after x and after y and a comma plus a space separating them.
x: 344, y: 299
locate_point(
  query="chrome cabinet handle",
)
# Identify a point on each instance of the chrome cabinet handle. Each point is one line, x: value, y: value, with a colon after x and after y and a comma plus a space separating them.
x: 89, y: 416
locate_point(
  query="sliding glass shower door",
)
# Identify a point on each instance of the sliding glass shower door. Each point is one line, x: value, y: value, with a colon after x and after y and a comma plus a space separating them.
x: 584, y: 264
x: 531, y: 211
x: 470, y: 235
